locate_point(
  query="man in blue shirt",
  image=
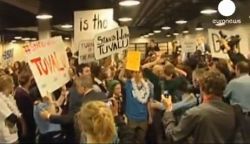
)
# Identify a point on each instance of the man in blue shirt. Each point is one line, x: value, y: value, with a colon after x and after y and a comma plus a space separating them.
x: 238, y: 93
x: 138, y: 92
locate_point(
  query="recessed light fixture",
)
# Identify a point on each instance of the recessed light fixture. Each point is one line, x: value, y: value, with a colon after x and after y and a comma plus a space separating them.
x: 181, y: 22
x: 166, y: 28
x: 66, y: 26
x: 44, y: 16
x: 66, y: 38
x: 157, y: 31
x: 176, y: 33
x: 185, y: 31
x: 199, y: 29
x: 151, y: 34
x: 168, y: 35
x: 26, y: 39
x: 125, y: 19
x: 33, y: 39
x: 220, y: 24
x: 128, y: 3
x: 208, y: 11
x: 17, y: 37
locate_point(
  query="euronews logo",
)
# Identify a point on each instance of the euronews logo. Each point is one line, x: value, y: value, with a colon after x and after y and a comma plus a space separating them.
x: 227, y: 8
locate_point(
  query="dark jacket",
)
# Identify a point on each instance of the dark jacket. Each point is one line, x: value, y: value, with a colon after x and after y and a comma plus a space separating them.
x: 25, y: 106
x: 212, y: 122
x: 75, y: 105
x: 125, y: 134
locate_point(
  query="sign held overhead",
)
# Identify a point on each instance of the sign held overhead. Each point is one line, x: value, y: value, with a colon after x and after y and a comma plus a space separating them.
x: 86, y: 25
x: 111, y: 42
x: 48, y: 62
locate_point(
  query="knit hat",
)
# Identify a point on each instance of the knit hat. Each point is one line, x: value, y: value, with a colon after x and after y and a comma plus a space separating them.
x: 111, y: 85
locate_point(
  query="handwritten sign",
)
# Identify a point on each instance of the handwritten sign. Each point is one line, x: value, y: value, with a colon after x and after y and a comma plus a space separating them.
x: 188, y: 46
x: 8, y: 54
x: 133, y: 60
x: 86, y: 52
x: 86, y: 25
x: 49, y: 64
x: 111, y: 42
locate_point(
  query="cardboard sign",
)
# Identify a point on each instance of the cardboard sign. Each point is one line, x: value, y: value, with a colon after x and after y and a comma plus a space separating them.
x: 48, y: 62
x: 111, y: 42
x: 86, y: 52
x: 133, y: 60
x: 86, y: 25
x: 188, y: 47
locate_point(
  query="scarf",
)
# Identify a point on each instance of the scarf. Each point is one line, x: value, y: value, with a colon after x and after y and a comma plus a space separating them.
x: 141, y: 93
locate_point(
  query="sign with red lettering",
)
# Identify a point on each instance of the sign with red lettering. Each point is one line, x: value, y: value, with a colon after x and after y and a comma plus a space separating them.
x: 49, y: 64
x: 111, y: 42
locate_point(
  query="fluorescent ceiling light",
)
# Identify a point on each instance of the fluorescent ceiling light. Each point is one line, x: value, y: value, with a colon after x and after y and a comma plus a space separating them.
x: 67, y: 26
x: 157, y: 31
x: 44, y: 16
x: 129, y: 3
x: 26, y: 39
x: 66, y: 38
x: 33, y: 39
x: 150, y: 34
x: 181, y: 22
x: 146, y: 36
x: 168, y: 35
x: 208, y: 11
x: 199, y: 29
x: 176, y: 34
x: 166, y: 28
x: 125, y: 19
x: 17, y: 37
x: 185, y: 32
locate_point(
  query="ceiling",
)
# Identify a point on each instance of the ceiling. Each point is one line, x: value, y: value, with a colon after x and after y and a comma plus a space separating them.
x: 18, y: 16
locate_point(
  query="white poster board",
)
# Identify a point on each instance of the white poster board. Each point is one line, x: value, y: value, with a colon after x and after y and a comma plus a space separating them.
x: 214, y: 36
x: 48, y: 62
x: 188, y: 46
x: 86, y: 25
x: 7, y: 56
x: 111, y: 42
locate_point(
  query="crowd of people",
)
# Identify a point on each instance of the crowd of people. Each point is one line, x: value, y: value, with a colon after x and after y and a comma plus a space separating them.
x: 199, y: 100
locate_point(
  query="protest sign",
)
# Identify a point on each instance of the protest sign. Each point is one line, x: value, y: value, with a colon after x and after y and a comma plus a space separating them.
x: 133, y: 62
x: 7, y: 54
x: 48, y: 62
x: 86, y: 52
x: 86, y: 25
x: 188, y: 46
x: 111, y: 42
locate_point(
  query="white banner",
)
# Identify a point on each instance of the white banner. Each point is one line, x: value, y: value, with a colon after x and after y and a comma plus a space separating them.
x: 111, y: 42
x: 49, y: 64
x: 86, y: 25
